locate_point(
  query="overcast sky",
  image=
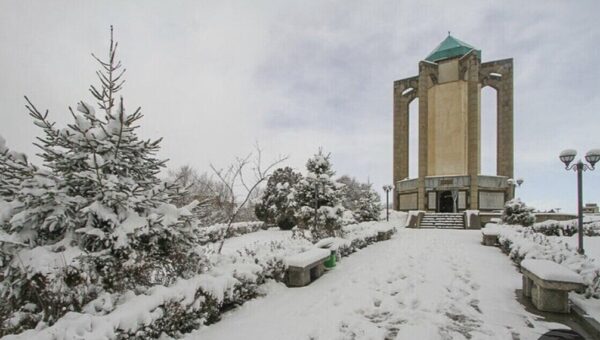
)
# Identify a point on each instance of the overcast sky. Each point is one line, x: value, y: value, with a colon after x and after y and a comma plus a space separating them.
x: 214, y: 77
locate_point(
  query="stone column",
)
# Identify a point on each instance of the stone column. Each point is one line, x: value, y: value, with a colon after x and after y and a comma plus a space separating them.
x: 427, y: 77
x: 505, y: 153
x: 401, y: 131
x: 472, y: 63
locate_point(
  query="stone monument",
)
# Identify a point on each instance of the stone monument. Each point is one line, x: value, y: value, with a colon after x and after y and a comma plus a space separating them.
x: 448, y: 88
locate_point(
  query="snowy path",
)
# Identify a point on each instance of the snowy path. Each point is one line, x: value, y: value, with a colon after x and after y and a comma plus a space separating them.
x: 423, y: 284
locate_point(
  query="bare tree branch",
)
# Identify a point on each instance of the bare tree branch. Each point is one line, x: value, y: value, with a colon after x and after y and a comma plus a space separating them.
x: 234, y: 175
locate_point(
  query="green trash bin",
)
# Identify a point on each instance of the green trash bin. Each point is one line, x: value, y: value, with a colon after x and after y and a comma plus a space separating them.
x: 330, y: 263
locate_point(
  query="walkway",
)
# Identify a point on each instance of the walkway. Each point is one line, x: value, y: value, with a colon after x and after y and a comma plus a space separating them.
x: 422, y: 284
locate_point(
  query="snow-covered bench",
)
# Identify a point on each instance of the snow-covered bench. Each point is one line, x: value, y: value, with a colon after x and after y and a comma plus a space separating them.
x: 548, y: 284
x: 306, y: 267
x: 384, y: 234
x: 490, y: 236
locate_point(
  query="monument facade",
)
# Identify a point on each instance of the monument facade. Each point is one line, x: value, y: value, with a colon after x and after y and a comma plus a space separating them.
x: 448, y: 88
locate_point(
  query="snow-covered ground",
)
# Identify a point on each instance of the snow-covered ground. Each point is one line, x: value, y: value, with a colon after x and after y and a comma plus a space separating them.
x: 422, y: 284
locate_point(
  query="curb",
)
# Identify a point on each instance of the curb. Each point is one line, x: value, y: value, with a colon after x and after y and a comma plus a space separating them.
x: 590, y: 324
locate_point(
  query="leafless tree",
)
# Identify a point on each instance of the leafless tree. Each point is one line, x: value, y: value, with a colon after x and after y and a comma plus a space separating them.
x: 211, y: 194
x: 235, y: 178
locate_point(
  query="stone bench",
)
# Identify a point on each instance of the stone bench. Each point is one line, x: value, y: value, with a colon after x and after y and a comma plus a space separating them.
x: 306, y: 267
x: 548, y: 284
x: 383, y: 235
x: 490, y: 237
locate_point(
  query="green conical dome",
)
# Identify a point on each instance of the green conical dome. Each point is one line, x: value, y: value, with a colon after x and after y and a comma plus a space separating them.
x: 450, y: 48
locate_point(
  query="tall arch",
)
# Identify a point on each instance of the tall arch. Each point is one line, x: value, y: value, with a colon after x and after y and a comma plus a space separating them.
x: 413, y: 144
x: 489, y: 131
x: 405, y: 91
x: 499, y: 75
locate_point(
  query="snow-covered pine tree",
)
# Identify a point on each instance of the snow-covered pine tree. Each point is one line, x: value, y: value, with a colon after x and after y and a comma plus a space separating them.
x: 14, y: 169
x: 100, y: 206
x: 317, y: 190
x: 278, y: 202
x: 517, y: 212
x: 360, y: 198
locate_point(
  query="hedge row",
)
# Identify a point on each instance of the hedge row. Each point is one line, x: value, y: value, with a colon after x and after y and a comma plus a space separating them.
x: 164, y: 312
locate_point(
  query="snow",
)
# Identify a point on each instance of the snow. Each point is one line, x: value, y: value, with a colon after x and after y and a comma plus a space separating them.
x: 332, y: 243
x: 6, y: 210
x: 133, y: 222
x: 413, y: 213
x: 568, y: 152
x: 591, y: 245
x: 490, y: 232
x: 422, y: 284
x: 170, y: 213
x: 215, y: 232
x: 133, y: 312
x: 551, y: 271
x: 102, y: 212
x: 43, y: 260
x: 307, y: 258
x: 257, y: 240
x: 470, y: 213
x: 10, y: 238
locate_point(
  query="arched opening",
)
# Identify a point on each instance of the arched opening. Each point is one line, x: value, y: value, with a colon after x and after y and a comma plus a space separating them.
x: 489, y: 123
x: 413, y: 140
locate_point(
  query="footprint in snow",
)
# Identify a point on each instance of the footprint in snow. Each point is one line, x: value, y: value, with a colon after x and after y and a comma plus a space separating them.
x: 475, y: 305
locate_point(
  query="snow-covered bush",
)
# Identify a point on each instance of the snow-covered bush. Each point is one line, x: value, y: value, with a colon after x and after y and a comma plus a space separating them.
x: 278, y: 202
x: 567, y: 228
x: 516, y: 212
x: 160, y: 310
x: 97, y: 218
x: 190, y: 303
x: 217, y: 232
x: 361, y: 199
x: 524, y: 243
x: 317, y: 194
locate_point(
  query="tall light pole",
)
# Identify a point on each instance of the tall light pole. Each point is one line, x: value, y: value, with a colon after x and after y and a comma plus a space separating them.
x: 316, y: 205
x: 387, y: 189
x: 592, y: 157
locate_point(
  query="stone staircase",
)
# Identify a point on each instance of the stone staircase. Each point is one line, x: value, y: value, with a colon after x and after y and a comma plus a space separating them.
x: 443, y: 220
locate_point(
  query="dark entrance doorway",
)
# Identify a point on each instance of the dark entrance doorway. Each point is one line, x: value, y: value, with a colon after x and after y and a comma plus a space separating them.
x: 446, y: 203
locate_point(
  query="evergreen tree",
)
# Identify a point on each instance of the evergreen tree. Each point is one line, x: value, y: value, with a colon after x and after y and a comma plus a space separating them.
x: 361, y: 199
x: 278, y: 202
x: 317, y: 194
x: 14, y: 169
x: 517, y: 212
x: 99, y: 194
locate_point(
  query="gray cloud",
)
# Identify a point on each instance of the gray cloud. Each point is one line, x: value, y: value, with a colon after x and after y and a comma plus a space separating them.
x: 213, y: 77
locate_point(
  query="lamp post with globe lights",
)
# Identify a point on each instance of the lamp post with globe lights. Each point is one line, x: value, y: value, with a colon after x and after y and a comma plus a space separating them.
x: 387, y: 189
x: 592, y: 157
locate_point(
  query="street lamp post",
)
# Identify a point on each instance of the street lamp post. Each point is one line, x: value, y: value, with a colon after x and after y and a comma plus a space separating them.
x: 592, y: 157
x: 387, y: 189
x: 316, y: 205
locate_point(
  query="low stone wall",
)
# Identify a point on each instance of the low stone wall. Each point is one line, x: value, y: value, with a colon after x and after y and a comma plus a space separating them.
x: 542, y: 217
x: 486, y: 217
